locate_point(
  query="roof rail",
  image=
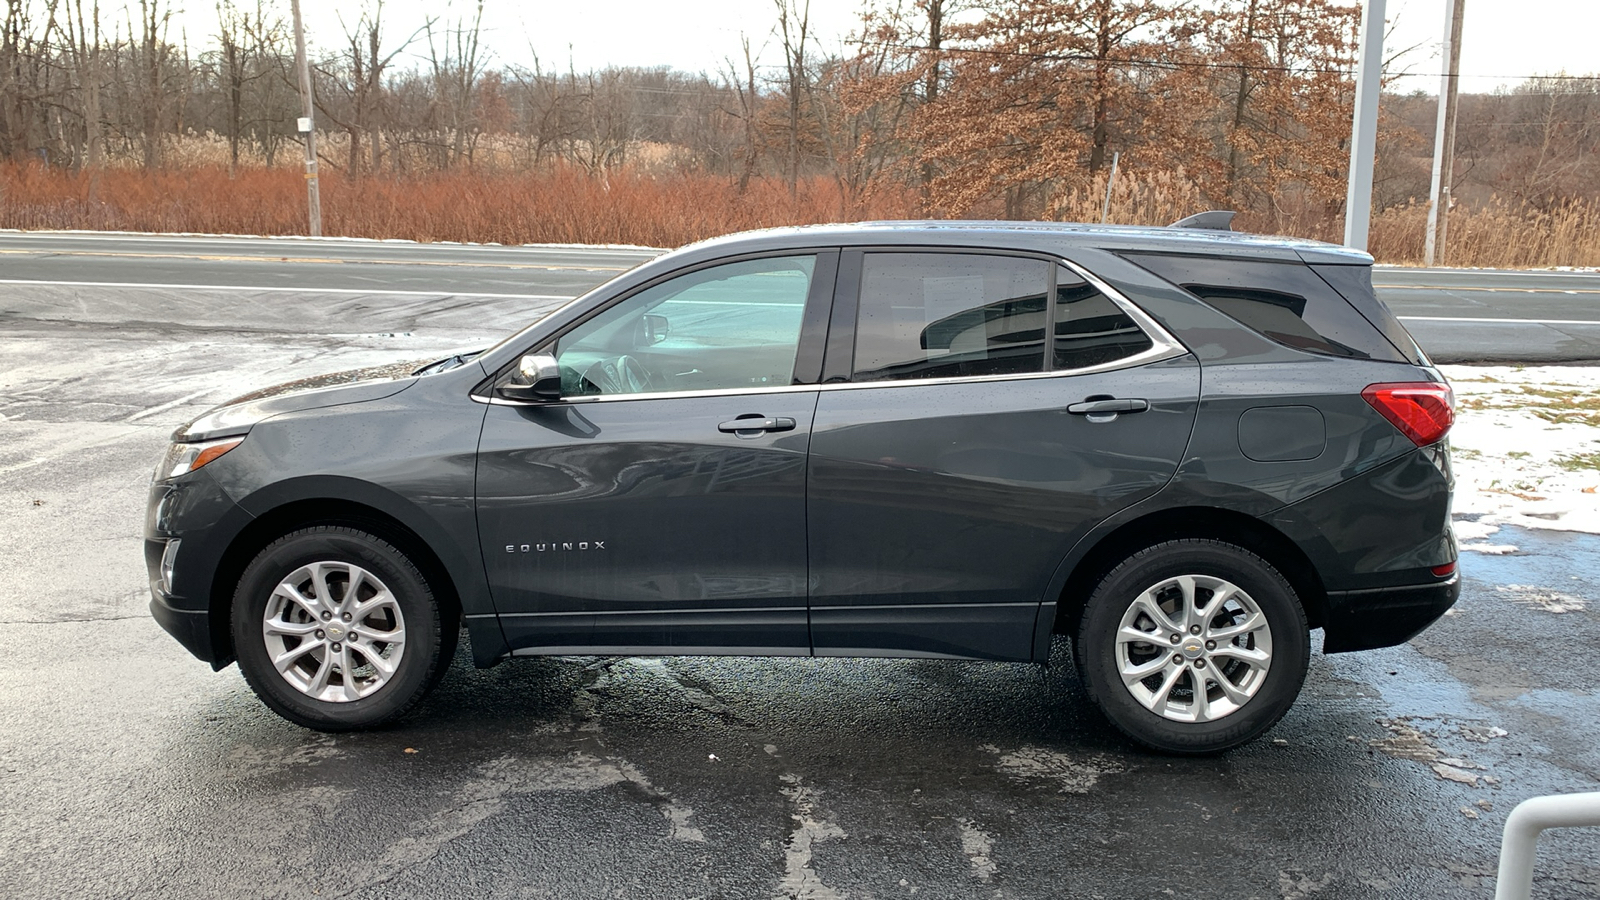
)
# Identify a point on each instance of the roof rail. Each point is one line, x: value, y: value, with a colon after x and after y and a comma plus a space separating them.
x: 1215, y: 220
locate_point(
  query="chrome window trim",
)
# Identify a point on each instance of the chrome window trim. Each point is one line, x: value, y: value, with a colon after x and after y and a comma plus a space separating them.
x: 1164, y: 342
x: 1163, y: 347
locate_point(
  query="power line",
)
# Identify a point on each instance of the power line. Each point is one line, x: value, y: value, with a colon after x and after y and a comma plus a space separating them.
x: 1196, y: 64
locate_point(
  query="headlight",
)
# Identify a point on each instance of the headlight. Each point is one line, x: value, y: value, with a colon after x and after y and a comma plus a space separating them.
x: 181, y: 459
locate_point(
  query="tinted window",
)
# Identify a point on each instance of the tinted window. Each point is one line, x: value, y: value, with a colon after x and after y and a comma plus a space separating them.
x: 1284, y: 301
x: 730, y: 326
x: 947, y: 315
x: 1354, y: 284
x: 1091, y: 330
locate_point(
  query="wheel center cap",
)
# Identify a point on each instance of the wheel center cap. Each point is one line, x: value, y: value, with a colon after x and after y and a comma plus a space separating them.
x: 335, y: 631
x: 1193, y: 648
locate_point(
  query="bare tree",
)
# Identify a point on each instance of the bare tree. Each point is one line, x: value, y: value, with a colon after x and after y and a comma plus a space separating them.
x: 605, y: 125
x: 743, y: 80
x: 454, y: 56
x: 541, y: 110
x: 22, y: 53
x: 79, y: 28
x: 794, y: 22
x: 250, y: 69
x: 358, y: 75
x: 152, y: 55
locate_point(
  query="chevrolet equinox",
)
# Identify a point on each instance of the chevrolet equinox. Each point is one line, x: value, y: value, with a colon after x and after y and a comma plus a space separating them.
x: 1184, y: 448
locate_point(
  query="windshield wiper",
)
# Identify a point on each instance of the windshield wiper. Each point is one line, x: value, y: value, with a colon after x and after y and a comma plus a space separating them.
x: 448, y: 363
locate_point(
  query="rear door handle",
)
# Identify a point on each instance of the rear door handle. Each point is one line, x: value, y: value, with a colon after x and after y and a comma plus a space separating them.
x: 754, y: 424
x: 1104, y: 409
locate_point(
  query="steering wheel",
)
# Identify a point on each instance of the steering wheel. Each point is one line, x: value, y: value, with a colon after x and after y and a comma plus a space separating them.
x: 618, y: 375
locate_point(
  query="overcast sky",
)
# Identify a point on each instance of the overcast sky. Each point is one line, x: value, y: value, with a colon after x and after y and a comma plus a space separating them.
x: 1504, y: 40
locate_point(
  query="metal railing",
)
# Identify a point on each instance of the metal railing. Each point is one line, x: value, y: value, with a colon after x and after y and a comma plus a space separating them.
x: 1521, y: 838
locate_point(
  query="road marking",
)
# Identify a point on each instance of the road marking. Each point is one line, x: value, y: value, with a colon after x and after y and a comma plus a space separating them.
x: 1485, y: 321
x: 171, y: 404
x: 1492, y: 290
x: 292, y: 290
x: 1381, y: 270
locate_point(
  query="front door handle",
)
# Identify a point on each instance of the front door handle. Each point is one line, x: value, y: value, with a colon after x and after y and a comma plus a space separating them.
x: 754, y: 424
x: 1105, y: 409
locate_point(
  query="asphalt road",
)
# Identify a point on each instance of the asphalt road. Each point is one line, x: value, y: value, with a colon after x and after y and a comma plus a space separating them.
x: 129, y: 769
x: 1457, y: 315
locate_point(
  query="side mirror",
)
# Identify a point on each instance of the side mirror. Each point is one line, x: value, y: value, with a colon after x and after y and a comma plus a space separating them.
x: 538, y: 377
x: 653, y: 329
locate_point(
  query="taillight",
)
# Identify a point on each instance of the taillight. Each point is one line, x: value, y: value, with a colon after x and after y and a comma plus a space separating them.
x: 1423, y: 410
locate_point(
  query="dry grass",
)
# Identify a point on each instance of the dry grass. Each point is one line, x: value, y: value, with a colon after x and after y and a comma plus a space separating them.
x: 1159, y: 199
x: 1501, y: 235
x: 561, y: 206
x: 666, y: 209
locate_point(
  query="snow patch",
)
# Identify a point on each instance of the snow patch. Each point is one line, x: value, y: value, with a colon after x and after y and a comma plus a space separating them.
x: 977, y: 845
x: 1525, y: 449
x: 1071, y: 774
x: 1298, y: 885
x: 1540, y: 598
x: 800, y: 881
x: 1473, y: 531
x: 678, y: 816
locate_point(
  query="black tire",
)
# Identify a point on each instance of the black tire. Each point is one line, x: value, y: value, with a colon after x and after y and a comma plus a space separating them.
x: 423, y: 649
x: 1096, y: 649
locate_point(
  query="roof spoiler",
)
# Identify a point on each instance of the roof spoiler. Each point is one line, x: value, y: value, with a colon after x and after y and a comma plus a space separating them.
x: 1215, y: 220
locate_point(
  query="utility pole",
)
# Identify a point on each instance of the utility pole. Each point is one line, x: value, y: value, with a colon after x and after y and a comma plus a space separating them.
x: 1444, y: 138
x: 308, y: 125
x: 1364, y: 129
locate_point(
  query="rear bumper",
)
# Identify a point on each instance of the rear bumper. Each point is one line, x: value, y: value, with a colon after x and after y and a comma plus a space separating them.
x: 1384, y: 617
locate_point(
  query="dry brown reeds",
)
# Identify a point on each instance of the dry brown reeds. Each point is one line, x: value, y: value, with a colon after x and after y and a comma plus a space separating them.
x: 630, y: 206
x: 1501, y: 235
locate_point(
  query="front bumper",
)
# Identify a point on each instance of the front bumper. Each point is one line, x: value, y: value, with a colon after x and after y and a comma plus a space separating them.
x: 191, y: 627
x: 195, y: 519
x: 1384, y: 617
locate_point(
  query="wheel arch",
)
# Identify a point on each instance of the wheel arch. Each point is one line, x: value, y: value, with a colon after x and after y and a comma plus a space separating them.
x: 311, y: 511
x: 1213, y: 523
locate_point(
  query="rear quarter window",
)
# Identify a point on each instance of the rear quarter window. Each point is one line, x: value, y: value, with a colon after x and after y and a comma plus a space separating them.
x: 1354, y: 284
x: 1284, y: 301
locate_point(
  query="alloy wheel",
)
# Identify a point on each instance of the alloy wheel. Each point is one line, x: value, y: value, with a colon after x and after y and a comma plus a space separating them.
x: 334, y: 631
x: 1193, y: 648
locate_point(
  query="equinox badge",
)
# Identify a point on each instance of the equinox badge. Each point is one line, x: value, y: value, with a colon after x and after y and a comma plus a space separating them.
x: 556, y: 546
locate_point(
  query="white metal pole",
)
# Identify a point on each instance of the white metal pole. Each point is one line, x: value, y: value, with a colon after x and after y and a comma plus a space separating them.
x: 1522, y: 836
x: 1111, y: 181
x: 308, y: 124
x: 1364, y: 128
x: 1444, y: 137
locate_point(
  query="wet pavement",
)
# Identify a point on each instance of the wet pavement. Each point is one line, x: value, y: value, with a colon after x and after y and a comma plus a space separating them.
x: 128, y: 769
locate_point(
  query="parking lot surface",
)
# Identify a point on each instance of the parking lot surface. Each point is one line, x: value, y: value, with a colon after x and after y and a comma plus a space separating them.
x: 128, y: 769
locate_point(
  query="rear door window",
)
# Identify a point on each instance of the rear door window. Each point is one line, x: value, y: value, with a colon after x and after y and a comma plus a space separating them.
x: 950, y: 315
x: 1090, y: 329
x: 1284, y: 301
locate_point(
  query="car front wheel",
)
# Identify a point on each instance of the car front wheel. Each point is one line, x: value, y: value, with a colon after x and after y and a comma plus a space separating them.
x: 336, y: 629
x: 1193, y: 646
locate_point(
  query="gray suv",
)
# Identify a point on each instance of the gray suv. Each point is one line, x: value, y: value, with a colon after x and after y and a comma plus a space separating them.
x: 1181, y: 448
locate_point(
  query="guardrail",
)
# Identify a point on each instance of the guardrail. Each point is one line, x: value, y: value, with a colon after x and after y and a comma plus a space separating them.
x: 1521, y: 838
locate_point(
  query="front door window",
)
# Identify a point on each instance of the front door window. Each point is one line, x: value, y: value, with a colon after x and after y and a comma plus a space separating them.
x: 734, y: 326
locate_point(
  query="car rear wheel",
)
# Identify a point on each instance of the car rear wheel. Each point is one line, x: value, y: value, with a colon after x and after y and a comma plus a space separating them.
x: 336, y: 629
x: 1193, y: 646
